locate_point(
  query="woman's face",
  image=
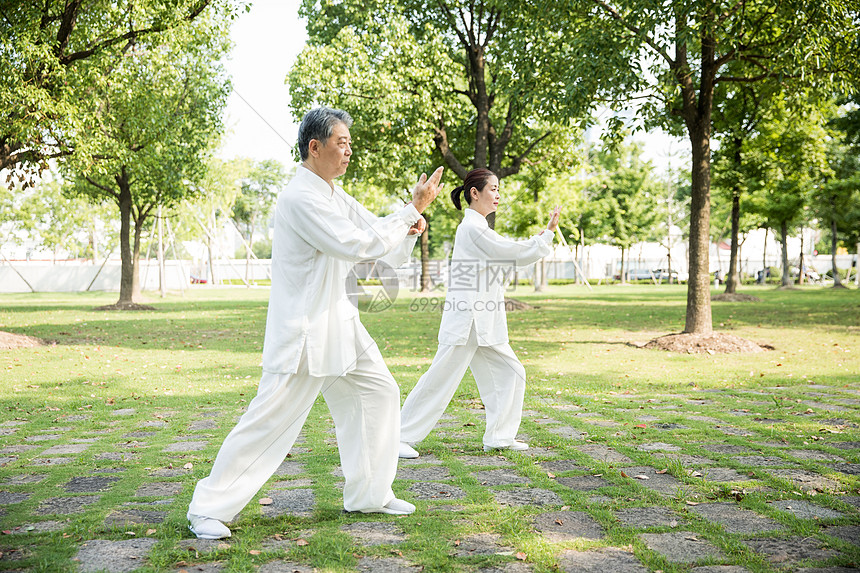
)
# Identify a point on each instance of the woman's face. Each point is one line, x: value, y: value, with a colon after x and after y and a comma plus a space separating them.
x: 486, y: 200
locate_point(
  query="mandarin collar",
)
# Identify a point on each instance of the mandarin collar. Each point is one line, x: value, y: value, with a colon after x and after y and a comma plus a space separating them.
x: 476, y: 217
x: 316, y: 182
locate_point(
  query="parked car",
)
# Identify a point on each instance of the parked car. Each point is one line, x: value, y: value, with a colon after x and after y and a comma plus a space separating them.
x: 639, y: 274
x: 663, y: 275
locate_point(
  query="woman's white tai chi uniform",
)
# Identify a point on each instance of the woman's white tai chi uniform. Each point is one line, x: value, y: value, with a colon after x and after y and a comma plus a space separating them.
x: 474, y: 333
x: 315, y: 343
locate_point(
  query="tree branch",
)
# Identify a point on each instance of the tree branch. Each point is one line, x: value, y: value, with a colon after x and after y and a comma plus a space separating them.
x: 441, y: 140
x: 107, y: 190
x: 517, y: 162
x: 636, y: 30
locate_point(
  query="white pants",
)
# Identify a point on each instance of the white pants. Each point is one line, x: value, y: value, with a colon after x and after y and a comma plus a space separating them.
x: 501, y: 381
x: 363, y: 404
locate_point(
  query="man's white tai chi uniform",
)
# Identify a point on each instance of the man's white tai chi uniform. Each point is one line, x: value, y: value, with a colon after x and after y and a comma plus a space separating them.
x: 315, y: 343
x: 474, y: 333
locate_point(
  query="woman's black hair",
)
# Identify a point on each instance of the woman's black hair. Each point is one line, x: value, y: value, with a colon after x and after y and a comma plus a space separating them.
x: 476, y: 178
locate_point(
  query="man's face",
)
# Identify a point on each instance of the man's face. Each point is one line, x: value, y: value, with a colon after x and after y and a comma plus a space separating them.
x: 334, y: 155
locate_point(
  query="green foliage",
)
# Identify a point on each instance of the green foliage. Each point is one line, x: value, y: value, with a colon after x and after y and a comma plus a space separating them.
x: 259, y: 192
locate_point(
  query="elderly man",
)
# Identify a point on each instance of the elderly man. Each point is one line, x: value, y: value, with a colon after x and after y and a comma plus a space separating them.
x: 314, y: 340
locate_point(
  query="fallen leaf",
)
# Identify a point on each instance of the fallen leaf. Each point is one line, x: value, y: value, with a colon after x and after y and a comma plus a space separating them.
x: 255, y: 552
x: 565, y: 507
x: 661, y: 472
x: 640, y: 476
x: 550, y: 475
x: 624, y: 475
x: 223, y: 546
x: 521, y: 556
x: 692, y: 503
x: 640, y: 426
x: 673, y: 523
x: 150, y: 531
x: 266, y: 501
x: 559, y: 522
x: 188, y: 466
x: 302, y: 542
x: 691, y: 538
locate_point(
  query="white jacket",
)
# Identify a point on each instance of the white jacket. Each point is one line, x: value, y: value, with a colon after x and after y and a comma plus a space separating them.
x: 319, y: 235
x: 479, y: 271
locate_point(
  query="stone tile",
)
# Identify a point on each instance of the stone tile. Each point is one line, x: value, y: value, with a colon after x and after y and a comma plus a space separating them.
x: 845, y: 445
x: 568, y: 432
x: 432, y: 491
x: 784, y: 552
x: 764, y: 461
x: 558, y: 526
x: 661, y: 483
x: 379, y: 565
x: 680, y: 546
x: 814, y: 455
x: 427, y: 459
x: 282, y: 484
x: 51, y: 461
x: 290, y: 468
x: 583, y: 483
x: 65, y: 449
x: 560, y: 466
x: 480, y: 544
x: 65, y: 505
x: 720, y: 569
x: 706, y: 419
x: 802, y: 509
x: 848, y: 469
x: 723, y: 475
x: 488, y: 460
x: 125, y: 517
x: 88, y: 484
x: 424, y: 473
x: 729, y: 449
x: 735, y: 431
x: 670, y: 426
x: 605, y: 560
x: 847, y: 533
x: 7, y: 460
x: 827, y: 570
x: 369, y: 533
x: 283, y: 566
x: 43, y: 438
x: 201, y: 568
x: 169, y: 472
x: 153, y: 424
x: 685, y: 459
x: 657, y: 447
x: 24, y: 479
x: 499, y: 477
x: 136, y: 435
x: 853, y: 500
x: 603, y: 453
x: 806, y: 480
x: 298, y: 502
x: 642, y: 517
x: 159, y: 489
x: 18, y: 449
x: 39, y: 527
x: 124, y: 412
x: 735, y: 519
x: 648, y: 418
x: 527, y: 497
x: 190, y: 446
x: 517, y: 567
x: 198, y: 425
x: 8, y: 497
x: 114, y: 556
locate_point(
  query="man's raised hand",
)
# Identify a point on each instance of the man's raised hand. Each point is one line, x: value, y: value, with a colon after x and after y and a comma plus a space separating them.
x: 426, y: 190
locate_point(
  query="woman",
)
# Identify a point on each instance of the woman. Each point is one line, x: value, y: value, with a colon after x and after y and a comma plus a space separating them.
x: 474, y: 330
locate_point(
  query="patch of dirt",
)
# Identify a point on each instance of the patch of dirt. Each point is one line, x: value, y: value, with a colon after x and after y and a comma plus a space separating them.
x: 512, y: 304
x: 9, y: 340
x: 735, y: 297
x: 712, y: 343
x: 125, y: 306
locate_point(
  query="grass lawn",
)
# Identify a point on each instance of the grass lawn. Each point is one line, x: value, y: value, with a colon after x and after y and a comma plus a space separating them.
x: 107, y: 375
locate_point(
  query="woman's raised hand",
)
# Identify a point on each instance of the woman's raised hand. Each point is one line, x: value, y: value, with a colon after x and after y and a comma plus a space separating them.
x: 553, y: 219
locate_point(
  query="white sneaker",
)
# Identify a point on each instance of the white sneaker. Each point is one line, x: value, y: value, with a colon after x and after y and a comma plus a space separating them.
x: 398, y: 507
x: 516, y: 446
x: 207, y: 527
x: 407, y: 452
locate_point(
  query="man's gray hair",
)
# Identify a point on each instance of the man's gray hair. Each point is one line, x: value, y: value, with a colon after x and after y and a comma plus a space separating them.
x: 318, y: 124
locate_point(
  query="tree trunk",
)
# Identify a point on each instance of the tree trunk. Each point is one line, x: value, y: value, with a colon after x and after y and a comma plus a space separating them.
x: 135, y: 258
x: 538, y: 279
x: 764, y: 268
x: 698, y: 319
x: 623, y: 270
x: 837, y: 280
x: 733, y: 278
x: 786, y: 273
x: 126, y: 280
x: 425, y: 257
x: 801, y: 267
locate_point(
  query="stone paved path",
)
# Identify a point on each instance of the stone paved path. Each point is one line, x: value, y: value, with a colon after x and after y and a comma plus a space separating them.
x: 671, y: 482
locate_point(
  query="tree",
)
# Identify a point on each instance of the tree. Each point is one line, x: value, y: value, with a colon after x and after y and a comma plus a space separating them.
x: 687, y: 47
x: 154, y: 119
x: 629, y: 193
x: 789, y: 159
x: 253, y: 205
x: 53, y: 48
x: 471, y: 82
